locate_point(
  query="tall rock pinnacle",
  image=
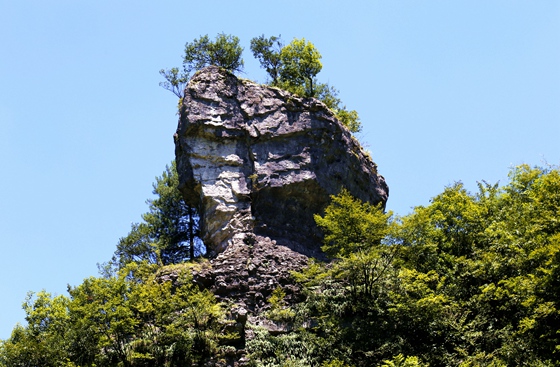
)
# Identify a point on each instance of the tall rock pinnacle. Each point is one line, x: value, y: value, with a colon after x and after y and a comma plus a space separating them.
x: 257, y: 159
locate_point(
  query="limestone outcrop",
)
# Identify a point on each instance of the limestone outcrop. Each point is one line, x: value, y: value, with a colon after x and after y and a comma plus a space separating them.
x: 256, y: 159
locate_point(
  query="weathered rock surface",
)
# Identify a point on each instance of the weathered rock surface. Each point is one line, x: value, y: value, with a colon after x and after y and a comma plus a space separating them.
x: 249, y: 270
x: 260, y: 160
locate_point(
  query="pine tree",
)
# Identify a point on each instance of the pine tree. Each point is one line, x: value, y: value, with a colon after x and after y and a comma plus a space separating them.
x: 169, y: 231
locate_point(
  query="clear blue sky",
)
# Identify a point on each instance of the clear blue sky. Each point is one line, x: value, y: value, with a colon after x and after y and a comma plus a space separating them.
x: 447, y: 91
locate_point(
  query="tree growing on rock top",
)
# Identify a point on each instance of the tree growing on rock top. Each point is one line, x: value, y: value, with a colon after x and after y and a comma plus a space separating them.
x: 175, y: 81
x: 300, y: 65
x: 224, y: 52
x: 267, y: 51
x: 294, y: 67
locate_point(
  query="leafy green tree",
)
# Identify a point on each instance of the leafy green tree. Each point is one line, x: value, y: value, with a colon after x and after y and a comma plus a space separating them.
x: 492, y: 255
x: 348, y: 297
x: 349, y: 119
x: 224, y: 52
x: 296, y: 349
x: 175, y: 81
x: 169, y: 231
x: 137, y: 317
x: 402, y: 361
x: 294, y: 67
x: 300, y: 65
x: 267, y: 51
x: 44, y: 341
x: 329, y: 96
x: 103, y: 320
x: 351, y: 226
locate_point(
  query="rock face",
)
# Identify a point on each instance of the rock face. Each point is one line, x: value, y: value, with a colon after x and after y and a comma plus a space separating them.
x: 256, y: 159
x: 249, y: 269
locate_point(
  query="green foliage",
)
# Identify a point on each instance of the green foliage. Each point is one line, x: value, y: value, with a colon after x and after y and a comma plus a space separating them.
x: 102, y: 319
x: 470, y: 280
x: 131, y: 319
x: 224, y: 52
x: 169, y: 231
x: 300, y: 64
x: 496, y: 251
x: 279, y: 310
x: 329, y: 96
x: 349, y: 119
x: 267, y: 51
x: 175, y: 81
x: 285, y: 350
x: 43, y: 342
x: 402, y: 361
x: 294, y: 68
x: 352, y: 227
x: 334, y: 363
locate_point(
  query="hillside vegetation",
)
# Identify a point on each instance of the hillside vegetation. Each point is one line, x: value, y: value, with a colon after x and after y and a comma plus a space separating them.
x: 470, y: 280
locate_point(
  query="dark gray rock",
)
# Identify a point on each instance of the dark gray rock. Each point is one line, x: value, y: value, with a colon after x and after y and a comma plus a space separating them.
x: 257, y: 159
x: 249, y: 270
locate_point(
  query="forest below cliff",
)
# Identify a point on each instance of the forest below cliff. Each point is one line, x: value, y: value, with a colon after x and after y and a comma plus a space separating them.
x: 472, y: 279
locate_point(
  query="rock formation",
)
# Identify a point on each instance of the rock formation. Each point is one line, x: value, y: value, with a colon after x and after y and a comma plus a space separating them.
x: 259, y: 160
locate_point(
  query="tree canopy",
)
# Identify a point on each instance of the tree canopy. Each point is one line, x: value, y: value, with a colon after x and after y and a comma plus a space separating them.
x: 300, y: 65
x: 175, y: 81
x: 267, y: 51
x: 351, y: 226
x: 469, y: 280
x: 130, y: 319
x: 224, y: 52
x: 293, y: 67
x: 168, y: 233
